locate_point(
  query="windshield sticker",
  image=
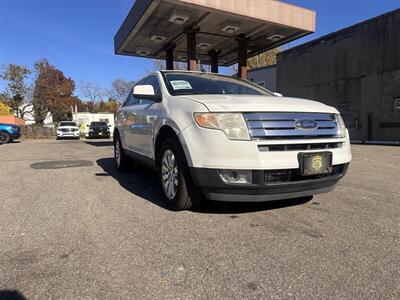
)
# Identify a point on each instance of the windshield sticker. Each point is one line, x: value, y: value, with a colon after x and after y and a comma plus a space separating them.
x: 180, y: 85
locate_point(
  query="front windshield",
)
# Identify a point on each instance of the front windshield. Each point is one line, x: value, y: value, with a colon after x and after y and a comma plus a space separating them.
x: 209, y: 84
x: 98, y: 124
x: 67, y: 124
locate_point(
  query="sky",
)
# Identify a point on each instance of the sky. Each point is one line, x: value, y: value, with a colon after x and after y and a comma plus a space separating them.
x: 77, y: 35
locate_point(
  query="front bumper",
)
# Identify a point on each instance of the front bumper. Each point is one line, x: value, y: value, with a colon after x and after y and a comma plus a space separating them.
x: 99, y: 134
x: 15, y: 135
x: 68, y: 134
x: 260, y: 190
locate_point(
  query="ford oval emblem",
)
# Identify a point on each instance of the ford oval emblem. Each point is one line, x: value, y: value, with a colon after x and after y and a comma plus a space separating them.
x: 305, y: 124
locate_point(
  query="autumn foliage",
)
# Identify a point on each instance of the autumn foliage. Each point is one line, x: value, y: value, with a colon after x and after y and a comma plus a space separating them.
x: 4, y: 109
x: 53, y: 93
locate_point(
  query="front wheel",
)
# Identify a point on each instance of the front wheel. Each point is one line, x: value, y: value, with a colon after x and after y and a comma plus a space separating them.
x: 5, y: 137
x: 121, y: 160
x: 179, y: 191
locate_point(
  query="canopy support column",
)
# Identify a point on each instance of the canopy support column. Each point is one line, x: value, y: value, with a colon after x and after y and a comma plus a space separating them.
x: 169, y: 57
x: 242, y: 57
x: 214, y: 56
x: 191, y: 51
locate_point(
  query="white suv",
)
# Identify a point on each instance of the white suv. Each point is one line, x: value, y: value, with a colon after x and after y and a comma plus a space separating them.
x: 228, y: 139
x: 67, y: 129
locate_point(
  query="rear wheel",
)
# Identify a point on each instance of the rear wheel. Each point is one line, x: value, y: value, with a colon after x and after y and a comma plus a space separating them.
x: 5, y: 137
x: 179, y: 191
x: 121, y: 160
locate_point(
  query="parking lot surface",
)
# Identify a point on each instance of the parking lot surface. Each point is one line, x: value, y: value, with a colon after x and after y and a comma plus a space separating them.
x: 72, y: 227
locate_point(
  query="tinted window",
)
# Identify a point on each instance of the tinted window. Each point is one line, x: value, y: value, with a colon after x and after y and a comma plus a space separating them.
x: 209, y: 84
x: 132, y: 100
x: 98, y: 124
x: 67, y: 124
x: 153, y: 81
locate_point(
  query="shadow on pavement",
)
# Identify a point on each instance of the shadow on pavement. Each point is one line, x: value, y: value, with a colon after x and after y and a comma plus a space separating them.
x: 100, y: 143
x: 11, y: 295
x: 143, y: 183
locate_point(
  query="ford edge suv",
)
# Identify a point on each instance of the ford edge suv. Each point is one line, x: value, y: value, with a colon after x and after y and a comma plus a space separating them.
x: 227, y: 139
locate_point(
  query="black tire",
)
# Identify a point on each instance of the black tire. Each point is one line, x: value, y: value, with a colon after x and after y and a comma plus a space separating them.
x: 188, y: 195
x: 5, y: 137
x: 122, y: 164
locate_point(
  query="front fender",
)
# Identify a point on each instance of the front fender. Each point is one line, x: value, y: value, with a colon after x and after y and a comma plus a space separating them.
x: 170, y: 123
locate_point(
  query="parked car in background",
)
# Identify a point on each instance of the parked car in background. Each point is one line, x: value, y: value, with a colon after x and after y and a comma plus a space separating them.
x: 99, y: 130
x: 9, y: 132
x: 229, y: 140
x: 68, y: 129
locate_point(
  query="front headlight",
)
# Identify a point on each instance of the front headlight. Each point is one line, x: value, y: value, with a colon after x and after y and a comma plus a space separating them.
x: 341, y: 125
x: 232, y: 124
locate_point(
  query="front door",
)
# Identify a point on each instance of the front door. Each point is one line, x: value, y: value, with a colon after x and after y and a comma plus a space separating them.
x: 146, y: 114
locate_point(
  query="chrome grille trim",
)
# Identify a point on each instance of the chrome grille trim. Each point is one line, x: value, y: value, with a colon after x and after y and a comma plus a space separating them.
x: 282, y: 125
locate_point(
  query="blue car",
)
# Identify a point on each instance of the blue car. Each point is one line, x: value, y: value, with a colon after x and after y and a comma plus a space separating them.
x: 9, y: 132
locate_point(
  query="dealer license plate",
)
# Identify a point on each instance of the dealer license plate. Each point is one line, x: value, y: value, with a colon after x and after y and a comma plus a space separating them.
x: 316, y: 163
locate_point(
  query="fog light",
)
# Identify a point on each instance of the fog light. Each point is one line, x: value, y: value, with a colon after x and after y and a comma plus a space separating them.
x: 236, y: 176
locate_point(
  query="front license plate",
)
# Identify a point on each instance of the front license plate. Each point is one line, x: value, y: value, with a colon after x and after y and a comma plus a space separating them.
x: 100, y: 133
x: 316, y: 163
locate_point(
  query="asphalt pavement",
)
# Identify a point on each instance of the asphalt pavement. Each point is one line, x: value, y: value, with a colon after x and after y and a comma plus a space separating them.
x: 72, y: 227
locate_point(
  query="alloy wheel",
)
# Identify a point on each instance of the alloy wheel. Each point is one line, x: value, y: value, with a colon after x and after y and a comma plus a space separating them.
x: 169, y: 174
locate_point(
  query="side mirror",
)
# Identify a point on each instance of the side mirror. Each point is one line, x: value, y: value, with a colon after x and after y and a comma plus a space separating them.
x: 277, y: 94
x: 145, y: 91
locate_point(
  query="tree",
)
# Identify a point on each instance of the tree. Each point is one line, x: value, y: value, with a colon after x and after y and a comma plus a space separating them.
x: 16, y: 88
x: 53, y: 93
x: 121, y: 89
x: 92, y: 91
x: 263, y: 59
x: 4, y: 109
x: 112, y: 105
x: 159, y: 64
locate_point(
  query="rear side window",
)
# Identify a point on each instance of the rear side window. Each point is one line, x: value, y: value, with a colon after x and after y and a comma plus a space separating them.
x: 151, y: 80
x: 132, y: 100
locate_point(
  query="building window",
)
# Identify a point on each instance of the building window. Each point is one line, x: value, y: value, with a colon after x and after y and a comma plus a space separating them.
x: 396, y: 104
x: 104, y: 120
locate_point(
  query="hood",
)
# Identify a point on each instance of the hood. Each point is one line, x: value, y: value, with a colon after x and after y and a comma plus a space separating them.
x: 249, y: 103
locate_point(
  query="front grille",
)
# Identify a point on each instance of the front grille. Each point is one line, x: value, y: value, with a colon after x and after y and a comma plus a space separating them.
x: 285, y: 125
x: 291, y: 175
x: 299, y: 147
x: 68, y: 130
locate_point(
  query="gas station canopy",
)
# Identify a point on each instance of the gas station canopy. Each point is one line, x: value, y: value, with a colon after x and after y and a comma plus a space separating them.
x: 154, y: 26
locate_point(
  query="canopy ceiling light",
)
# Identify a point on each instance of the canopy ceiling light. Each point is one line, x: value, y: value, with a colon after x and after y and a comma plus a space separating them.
x: 230, y: 27
x: 143, y: 51
x: 179, y: 17
x: 158, y: 38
